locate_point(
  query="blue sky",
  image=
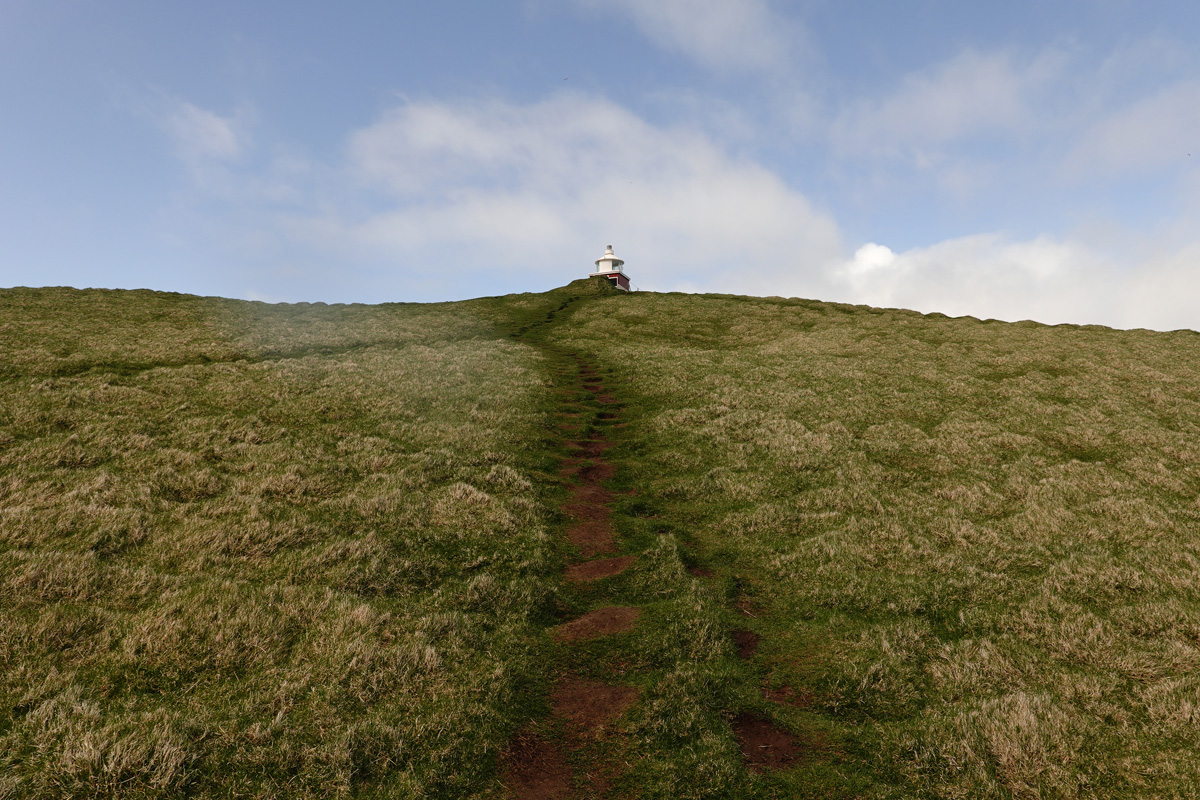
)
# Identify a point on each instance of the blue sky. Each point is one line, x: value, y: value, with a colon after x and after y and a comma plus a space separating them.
x: 1011, y: 160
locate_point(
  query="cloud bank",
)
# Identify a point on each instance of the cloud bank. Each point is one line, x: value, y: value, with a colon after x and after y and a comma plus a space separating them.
x: 538, y: 187
x: 441, y: 197
x: 438, y: 198
x: 1045, y: 279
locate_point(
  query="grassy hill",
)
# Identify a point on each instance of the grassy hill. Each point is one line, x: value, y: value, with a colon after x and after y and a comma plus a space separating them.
x: 308, y: 550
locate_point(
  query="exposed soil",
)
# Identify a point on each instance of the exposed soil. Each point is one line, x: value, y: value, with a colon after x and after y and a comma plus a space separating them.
x: 599, y: 471
x: 589, y: 705
x: 591, y: 533
x: 534, y: 769
x: 765, y: 745
x: 592, y: 537
x: 587, y: 502
x: 746, y: 643
x: 700, y: 572
x: 601, y: 622
x: 601, y: 568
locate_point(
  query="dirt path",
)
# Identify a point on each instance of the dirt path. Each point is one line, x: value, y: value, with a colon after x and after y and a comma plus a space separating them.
x: 575, y: 752
x: 566, y: 754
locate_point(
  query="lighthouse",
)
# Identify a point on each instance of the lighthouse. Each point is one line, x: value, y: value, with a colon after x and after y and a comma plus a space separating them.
x: 608, y: 266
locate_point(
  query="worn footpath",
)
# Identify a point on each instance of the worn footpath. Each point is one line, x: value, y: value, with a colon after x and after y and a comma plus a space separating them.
x: 583, y: 748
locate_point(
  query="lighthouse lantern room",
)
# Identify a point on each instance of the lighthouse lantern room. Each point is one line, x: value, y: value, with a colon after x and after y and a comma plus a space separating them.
x: 608, y: 266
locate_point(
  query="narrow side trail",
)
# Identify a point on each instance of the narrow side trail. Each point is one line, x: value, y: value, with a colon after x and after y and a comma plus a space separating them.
x: 628, y: 616
x: 573, y: 751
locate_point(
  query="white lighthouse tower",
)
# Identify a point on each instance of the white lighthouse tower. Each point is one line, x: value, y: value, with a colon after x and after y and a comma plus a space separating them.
x: 609, y: 266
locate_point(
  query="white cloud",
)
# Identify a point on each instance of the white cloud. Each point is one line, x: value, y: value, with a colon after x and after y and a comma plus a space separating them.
x: 984, y: 275
x: 1162, y: 293
x: 199, y: 134
x: 1045, y: 279
x: 973, y: 93
x: 725, y: 34
x: 436, y: 194
x: 537, y: 188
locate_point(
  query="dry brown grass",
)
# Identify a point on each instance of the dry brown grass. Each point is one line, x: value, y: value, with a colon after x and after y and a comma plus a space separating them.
x: 263, y: 551
x: 993, y: 527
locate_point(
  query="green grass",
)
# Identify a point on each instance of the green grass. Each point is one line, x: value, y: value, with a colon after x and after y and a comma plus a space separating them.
x: 973, y: 543
x: 257, y: 551
x: 308, y: 550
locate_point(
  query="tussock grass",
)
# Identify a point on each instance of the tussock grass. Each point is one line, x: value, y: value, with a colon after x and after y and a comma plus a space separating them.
x: 259, y: 551
x: 265, y: 551
x: 989, y: 529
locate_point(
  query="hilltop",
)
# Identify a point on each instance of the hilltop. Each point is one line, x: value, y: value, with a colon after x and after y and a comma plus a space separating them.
x: 314, y: 550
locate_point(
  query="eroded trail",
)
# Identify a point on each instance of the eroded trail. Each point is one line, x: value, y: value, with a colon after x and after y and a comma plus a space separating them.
x: 569, y: 754
x: 589, y: 737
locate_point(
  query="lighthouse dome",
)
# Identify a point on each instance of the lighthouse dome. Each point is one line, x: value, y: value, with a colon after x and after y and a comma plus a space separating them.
x: 612, y: 261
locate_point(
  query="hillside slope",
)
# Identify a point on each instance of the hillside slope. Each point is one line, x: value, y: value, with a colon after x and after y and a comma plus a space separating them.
x: 974, y: 543
x: 310, y: 550
x: 263, y: 551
